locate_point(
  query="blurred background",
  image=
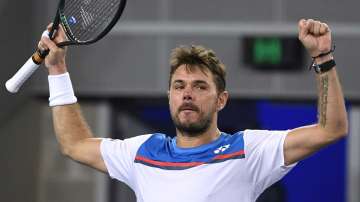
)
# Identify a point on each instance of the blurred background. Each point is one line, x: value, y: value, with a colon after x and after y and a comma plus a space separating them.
x: 121, y: 83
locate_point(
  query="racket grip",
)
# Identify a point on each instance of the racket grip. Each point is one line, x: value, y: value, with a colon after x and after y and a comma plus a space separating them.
x: 15, y: 82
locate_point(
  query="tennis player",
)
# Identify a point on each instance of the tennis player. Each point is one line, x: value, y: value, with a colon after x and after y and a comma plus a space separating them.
x: 202, y: 163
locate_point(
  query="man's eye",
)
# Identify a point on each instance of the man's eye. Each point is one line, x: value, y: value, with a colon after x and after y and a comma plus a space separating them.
x: 201, y: 87
x: 177, y: 87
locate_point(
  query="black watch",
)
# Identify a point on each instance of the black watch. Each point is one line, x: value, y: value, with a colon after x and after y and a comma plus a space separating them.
x: 324, y: 67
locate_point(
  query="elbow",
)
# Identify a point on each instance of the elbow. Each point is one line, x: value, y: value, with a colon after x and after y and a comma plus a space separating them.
x: 65, y: 151
x: 70, y: 150
x: 344, y: 129
x: 341, y: 129
x: 341, y: 133
x: 334, y: 132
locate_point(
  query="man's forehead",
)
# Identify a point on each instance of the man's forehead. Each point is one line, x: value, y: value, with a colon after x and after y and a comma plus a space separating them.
x: 191, y: 72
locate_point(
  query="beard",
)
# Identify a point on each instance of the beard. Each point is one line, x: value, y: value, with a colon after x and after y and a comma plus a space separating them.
x: 195, y: 128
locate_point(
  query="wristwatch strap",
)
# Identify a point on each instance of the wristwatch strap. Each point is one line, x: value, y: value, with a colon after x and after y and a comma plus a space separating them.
x: 324, y: 67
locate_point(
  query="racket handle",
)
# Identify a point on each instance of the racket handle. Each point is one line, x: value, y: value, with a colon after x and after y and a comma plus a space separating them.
x: 24, y: 73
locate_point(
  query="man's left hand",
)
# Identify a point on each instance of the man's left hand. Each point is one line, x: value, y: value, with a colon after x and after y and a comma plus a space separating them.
x: 315, y: 36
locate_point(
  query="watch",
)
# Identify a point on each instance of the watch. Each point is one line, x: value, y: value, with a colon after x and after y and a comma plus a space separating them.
x: 324, y: 67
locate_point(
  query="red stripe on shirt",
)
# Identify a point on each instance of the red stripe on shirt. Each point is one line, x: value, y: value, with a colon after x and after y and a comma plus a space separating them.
x: 174, y: 164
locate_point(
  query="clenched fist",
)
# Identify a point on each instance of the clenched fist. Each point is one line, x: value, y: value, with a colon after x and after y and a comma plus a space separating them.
x: 315, y: 36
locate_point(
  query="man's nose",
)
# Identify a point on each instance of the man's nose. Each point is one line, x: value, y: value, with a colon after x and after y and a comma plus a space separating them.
x: 188, y: 95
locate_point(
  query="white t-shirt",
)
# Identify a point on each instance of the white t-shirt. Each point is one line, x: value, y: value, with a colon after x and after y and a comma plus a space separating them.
x: 233, y: 168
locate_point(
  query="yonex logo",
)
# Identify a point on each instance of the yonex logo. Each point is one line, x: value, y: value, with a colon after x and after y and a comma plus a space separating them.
x: 222, y: 149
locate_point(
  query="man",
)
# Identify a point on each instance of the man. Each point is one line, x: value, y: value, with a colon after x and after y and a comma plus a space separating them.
x: 201, y: 163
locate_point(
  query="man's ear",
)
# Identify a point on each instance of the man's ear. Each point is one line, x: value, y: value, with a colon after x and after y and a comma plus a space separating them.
x: 222, y: 100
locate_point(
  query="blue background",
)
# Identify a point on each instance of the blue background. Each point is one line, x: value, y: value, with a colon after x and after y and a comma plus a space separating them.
x: 318, y: 178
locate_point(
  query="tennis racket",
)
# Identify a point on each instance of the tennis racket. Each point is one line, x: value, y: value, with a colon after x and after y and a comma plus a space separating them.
x: 83, y: 21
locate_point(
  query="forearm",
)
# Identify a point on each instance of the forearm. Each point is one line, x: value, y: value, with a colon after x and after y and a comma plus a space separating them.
x: 332, y: 119
x: 71, y: 129
x: 332, y: 116
x: 70, y: 126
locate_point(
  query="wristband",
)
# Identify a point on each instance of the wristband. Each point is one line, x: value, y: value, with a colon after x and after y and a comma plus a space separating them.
x: 61, y: 90
x: 323, y: 67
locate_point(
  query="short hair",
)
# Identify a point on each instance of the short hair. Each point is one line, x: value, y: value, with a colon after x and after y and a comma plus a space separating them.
x: 195, y: 56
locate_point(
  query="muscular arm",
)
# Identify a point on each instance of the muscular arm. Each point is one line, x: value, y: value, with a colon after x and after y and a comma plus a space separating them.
x: 332, y: 119
x: 75, y: 138
x: 72, y: 132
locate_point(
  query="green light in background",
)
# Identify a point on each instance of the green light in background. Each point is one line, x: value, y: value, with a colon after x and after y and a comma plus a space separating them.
x: 267, y: 50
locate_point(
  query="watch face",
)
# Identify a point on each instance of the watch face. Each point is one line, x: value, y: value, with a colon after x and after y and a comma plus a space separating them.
x: 324, y: 67
x: 316, y: 68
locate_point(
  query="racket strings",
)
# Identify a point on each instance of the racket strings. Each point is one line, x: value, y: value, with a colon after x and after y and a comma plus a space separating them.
x: 81, y: 11
x: 88, y: 18
x: 105, y: 16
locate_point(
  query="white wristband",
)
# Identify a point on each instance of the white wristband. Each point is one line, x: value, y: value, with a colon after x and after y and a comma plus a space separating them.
x: 61, y: 90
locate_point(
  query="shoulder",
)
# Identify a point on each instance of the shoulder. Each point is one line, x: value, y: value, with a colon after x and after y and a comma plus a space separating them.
x: 129, y: 143
x: 135, y: 139
x: 156, y: 138
x: 249, y: 134
x: 254, y: 138
x: 155, y: 142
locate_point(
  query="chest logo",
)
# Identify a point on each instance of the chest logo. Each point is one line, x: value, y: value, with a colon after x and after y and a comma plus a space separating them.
x: 221, y: 149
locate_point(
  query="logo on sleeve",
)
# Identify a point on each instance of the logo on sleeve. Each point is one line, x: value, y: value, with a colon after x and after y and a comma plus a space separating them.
x: 222, y: 149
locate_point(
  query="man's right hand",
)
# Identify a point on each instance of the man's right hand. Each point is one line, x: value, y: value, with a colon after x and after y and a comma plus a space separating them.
x: 55, y: 60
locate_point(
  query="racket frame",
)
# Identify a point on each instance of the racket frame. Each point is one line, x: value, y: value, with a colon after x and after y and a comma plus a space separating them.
x: 72, y: 39
x: 24, y: 73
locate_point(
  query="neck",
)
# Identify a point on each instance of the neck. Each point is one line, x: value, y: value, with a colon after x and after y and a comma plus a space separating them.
x: 187, y: 141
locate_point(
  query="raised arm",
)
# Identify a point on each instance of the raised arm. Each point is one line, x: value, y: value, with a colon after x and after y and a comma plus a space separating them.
x: 72, y: 132
x: 332, y: 119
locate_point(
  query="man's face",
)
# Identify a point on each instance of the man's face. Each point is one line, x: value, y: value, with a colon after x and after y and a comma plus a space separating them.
x: 193, y: 100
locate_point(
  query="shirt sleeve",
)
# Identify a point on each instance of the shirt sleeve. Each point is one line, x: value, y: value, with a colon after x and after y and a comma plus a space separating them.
x: 265, y: 152
x: 119, y: 156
